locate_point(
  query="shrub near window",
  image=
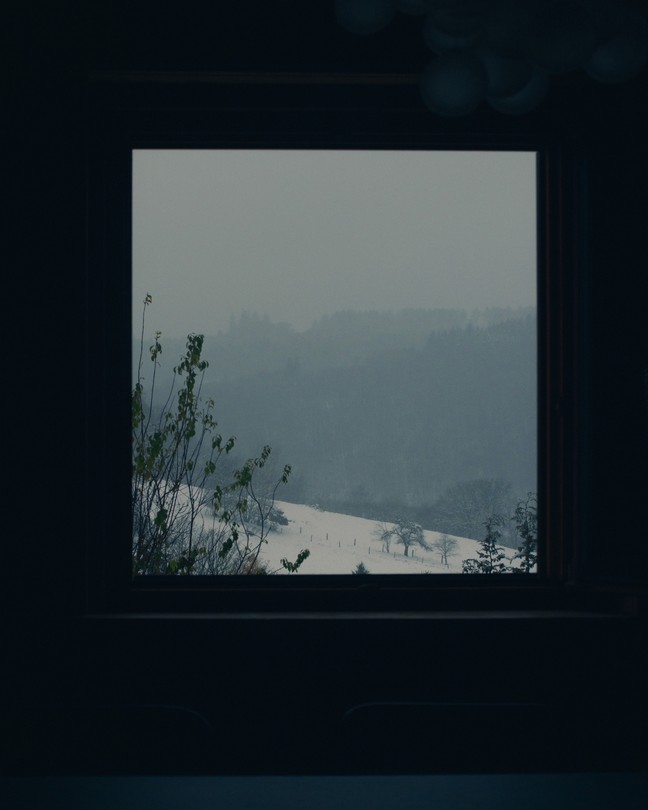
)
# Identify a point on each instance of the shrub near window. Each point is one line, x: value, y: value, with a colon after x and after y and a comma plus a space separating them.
x: 180, y: 524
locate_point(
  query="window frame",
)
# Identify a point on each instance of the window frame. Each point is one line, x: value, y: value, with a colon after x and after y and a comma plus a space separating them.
x: 128, y: 112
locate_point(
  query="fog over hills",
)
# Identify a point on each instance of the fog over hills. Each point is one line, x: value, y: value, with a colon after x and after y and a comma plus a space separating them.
x: 381, y: 411
x: 253, y: 343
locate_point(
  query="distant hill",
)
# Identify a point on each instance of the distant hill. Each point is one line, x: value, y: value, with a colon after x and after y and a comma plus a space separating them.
x: 380, y: 408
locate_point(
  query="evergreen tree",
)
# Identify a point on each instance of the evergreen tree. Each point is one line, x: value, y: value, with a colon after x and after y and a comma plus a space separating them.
x: 525, y: 518
x: 491, y: 555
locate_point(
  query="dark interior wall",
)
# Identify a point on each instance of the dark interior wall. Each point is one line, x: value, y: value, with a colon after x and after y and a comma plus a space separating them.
x: 618, y: 414
x: 283, y: 687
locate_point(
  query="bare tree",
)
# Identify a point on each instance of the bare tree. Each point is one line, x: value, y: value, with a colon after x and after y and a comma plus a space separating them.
x: 446, y: 546
x: 408, y: 533
x: 384, y: 533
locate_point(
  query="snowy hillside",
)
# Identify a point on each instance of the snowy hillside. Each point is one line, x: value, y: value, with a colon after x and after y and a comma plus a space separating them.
x: 337, y: 543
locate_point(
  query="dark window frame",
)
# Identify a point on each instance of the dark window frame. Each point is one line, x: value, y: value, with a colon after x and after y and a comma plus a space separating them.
x: 135, y: 112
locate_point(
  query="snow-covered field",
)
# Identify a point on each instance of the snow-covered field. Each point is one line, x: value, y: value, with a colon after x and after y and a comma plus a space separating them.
x: 337, y: 543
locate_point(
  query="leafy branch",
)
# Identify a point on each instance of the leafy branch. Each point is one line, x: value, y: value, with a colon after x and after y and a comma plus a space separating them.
x: 182, y: 522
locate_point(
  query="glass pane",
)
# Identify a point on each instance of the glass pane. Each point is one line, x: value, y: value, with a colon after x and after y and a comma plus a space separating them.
x: 371, y: 317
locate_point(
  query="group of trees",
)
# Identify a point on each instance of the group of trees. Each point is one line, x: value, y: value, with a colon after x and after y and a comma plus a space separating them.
x: 491, y: 556
x: 404, y: 531
x: 465, y: 506
x: 189, y: 516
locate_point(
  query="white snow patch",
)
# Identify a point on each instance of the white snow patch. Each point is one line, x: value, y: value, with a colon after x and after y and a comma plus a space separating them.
x: 337, y: 543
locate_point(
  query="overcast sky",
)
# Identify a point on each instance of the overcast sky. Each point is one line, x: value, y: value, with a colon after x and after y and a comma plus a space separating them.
x: 299, y: 234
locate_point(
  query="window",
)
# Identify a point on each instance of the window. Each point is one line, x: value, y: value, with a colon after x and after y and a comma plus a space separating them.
x: 371, y: 315
x: 153, y: 179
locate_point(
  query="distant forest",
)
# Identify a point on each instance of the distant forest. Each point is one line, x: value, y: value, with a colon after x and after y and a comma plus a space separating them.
x: 381, y: 412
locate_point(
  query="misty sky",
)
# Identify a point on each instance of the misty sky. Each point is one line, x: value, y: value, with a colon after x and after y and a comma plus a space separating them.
x: 299, y: 234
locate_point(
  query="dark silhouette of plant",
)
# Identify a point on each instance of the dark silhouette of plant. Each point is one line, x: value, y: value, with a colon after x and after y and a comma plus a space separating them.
x: 490, y: 555
x: 404, y: 531
x: 446, y: 546
x: 384, y: 533
x: 182, y: 522
x: 525, y: 518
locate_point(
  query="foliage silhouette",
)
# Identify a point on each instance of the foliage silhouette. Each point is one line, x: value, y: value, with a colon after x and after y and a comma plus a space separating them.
x: 182, y: 522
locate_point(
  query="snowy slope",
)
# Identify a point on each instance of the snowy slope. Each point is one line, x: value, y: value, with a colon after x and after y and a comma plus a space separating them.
x: 337, y: 543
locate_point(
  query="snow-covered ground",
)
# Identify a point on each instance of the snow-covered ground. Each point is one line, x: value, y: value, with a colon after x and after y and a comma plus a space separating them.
x: 337, y: 543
